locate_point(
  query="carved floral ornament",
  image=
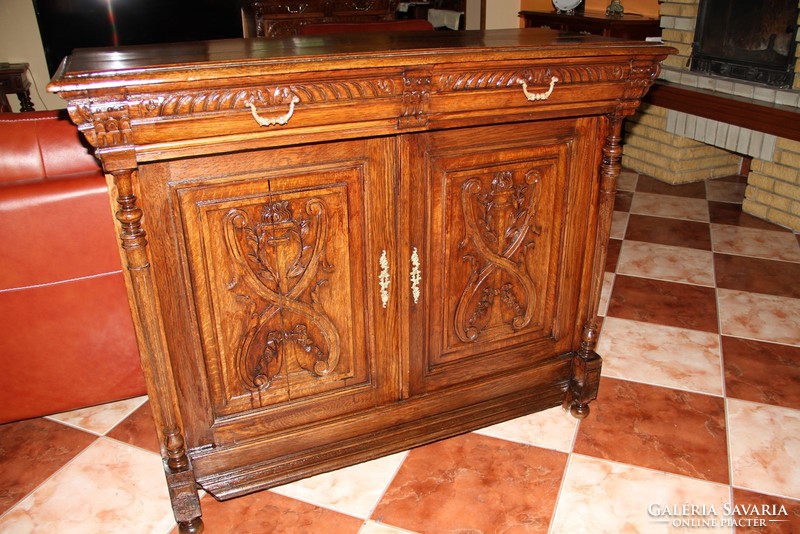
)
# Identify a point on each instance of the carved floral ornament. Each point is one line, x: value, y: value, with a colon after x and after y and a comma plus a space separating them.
x: 500, y: 227
x: 281, y: 256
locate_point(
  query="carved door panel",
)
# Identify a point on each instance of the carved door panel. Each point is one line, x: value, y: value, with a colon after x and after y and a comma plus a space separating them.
x: 495, y: 261
x: 278, y: 248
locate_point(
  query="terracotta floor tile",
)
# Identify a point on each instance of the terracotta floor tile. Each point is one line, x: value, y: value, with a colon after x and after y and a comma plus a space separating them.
x: 627, y: 180
x: 666, y: 303
x: 774, y: 521
x: 756, y: 316
x: 109, y: 487
x: 614, y: 248
x: 602, y: 497
x: 138, y: 429
x: 664, y: 262
x: 31, y: 451
x: 372, y: 527
x: 267, y: 512
x: 648, y: 184
x: 658, y: 428
x: 622, y: 201
x: 765, y: 448
x: 725, y: 191
x: 757, y: 275
x: 732, y: 214
x: 665, y: 231
x: 474, y: 483
x: 754, y: 242
x: 762, y: 372
x: 619, y: 221
x: 692, y: 209
x: 605, y: 293
x: 661, y: 355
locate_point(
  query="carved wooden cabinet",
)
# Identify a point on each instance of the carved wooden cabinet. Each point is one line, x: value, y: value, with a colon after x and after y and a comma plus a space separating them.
x: 281, y: 18
x: 345, y: 246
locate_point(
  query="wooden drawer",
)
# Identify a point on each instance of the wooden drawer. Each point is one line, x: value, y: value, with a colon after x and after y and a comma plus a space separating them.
x: 291, y: 8
x: 281, y: 112
x: 360, y: 7
x: 519, y: 89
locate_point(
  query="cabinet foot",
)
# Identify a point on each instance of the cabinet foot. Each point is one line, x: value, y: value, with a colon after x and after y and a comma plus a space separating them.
x: 585, y: 380
x: 579, y: 411
x: 193, y: 526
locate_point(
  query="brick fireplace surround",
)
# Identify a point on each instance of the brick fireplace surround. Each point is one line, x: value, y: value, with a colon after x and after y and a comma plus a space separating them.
x: 677, y: 147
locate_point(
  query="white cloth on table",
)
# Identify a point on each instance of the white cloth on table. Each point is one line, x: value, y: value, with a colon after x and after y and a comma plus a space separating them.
x: 445, y: 18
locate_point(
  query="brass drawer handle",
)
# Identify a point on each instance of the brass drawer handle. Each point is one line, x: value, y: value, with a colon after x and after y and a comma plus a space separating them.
x: 538, y: 96
x: 283, y: 119
x: 415, y: 275
x: 299, y: 9
x: 384, y: 279
x: 365, y: 6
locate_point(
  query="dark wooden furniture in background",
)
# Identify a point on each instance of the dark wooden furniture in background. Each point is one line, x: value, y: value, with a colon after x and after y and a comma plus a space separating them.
x: 281, y: 18
x: 14, y: 80
x: 630, y: 26
x: 343, y: 246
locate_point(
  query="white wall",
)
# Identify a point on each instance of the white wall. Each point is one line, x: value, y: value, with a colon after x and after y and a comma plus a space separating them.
x: 502, y: 14
x: 20, y: 43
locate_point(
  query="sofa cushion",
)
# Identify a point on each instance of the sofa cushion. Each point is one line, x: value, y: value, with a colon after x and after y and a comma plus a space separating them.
x: 42, y: 145
x: 66, y: 346
x: 56, y: 230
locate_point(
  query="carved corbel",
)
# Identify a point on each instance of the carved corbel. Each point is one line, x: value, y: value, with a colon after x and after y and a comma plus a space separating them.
x: 416, y: 99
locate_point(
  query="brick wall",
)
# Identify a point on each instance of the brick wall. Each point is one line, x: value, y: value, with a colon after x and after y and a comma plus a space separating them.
x: 679, y: 148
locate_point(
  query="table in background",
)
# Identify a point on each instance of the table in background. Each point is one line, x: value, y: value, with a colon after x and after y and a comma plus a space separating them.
x: 13, y: 79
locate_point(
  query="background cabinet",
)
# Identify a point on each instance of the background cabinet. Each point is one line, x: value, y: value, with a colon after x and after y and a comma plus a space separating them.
x: 280, y: 18
x: 630, y: 26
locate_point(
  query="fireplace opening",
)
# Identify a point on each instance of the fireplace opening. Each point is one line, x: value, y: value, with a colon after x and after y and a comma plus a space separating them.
x: 746, y: 40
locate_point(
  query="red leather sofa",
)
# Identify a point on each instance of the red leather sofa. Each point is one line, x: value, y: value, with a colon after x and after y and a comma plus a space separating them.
x: 66, y: 335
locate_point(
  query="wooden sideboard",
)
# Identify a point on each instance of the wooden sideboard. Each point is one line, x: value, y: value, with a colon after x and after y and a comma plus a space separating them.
x: 629, y: 26
x: 341, y: 247
x: 281, y: 18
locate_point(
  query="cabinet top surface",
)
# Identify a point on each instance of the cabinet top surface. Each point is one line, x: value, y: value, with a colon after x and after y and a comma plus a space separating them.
x: 102, y: 68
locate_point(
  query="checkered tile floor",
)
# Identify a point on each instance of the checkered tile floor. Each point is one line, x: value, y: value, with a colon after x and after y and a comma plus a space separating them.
x: 699, y: 411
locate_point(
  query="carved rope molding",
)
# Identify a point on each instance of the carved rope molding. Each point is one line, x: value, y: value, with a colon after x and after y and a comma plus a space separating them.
x: 187, y: 103
x: 509, y: 78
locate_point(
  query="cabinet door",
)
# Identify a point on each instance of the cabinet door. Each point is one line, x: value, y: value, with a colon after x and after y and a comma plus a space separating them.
x: 497, y: 233
x: 284, y: 252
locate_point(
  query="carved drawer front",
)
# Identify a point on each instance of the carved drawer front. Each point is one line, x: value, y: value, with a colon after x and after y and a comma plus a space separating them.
x: 523, y: 88
x: 317, y: 104
x: 361, y: 7
x: 276, y: 251
x: 499, y: 261
x: 292, y: 8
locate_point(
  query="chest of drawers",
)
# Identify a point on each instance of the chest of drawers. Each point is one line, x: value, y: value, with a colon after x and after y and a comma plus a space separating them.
x: 345, y: 246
